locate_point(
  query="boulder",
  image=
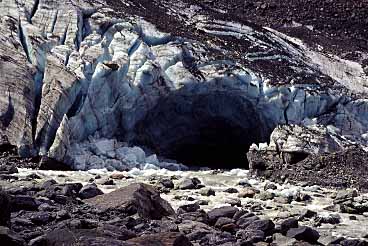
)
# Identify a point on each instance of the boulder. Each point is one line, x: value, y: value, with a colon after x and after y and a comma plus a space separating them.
x: 135, y: 198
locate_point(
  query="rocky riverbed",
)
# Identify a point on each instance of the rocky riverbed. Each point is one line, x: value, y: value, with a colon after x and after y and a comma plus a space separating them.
x: 205, y: 207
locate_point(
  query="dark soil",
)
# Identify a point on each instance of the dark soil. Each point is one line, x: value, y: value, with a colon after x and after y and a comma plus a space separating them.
x: 346, y: 169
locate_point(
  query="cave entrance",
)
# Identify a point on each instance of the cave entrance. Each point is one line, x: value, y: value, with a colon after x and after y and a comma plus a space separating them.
x: 213, y: 129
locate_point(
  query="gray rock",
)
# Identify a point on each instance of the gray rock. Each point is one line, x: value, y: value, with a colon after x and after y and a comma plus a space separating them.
x: 135, y: 198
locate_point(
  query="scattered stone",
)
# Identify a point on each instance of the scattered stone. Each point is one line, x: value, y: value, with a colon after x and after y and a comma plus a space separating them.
x: 135, y: 198
x: 89, y: 191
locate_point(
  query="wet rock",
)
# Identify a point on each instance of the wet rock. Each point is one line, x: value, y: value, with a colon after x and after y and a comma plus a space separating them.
x: 89, y: 191
x: 135, y: 198
x: 5, y: 210
x: 9, y: 238
x: 164, y: 239
x: 303, y: 233
x: 216, y: 213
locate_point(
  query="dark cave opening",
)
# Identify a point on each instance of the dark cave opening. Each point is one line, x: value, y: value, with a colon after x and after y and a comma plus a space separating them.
x: 213, y: 129
x: 218, y: 144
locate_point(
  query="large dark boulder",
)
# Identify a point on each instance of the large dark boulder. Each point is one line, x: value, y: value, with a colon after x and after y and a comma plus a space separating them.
x: 135, y: 198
